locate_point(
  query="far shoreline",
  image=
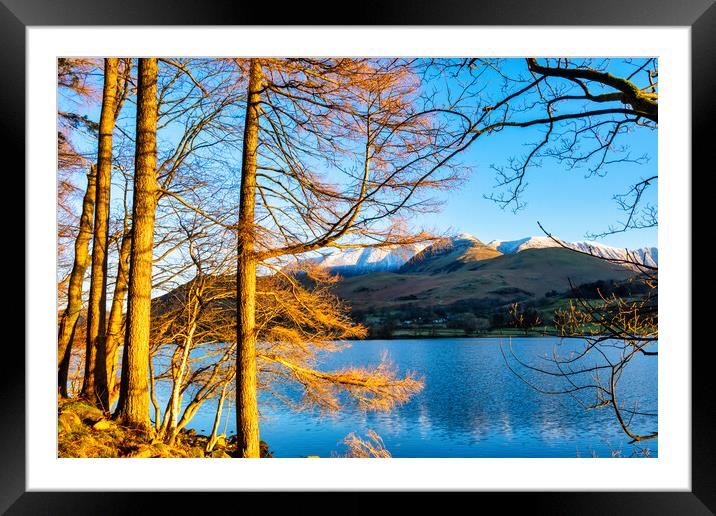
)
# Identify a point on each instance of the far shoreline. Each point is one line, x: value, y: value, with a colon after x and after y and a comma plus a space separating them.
x: 440, y: 337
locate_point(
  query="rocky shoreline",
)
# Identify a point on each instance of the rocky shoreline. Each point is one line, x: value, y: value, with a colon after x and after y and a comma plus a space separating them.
x: 84, y: 431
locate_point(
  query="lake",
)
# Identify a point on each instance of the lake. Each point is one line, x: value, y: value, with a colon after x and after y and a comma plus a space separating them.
x: 472, y: 405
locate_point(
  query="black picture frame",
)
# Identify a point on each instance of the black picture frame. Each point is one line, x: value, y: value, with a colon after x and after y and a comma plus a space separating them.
x: 700, y: 15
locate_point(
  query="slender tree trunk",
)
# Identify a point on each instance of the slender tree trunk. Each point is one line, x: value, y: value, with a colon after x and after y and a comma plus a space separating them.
x: 176, y: 395
x: 247, y: 415
x: 68, y: 321
x: 153, y: 397
x: 114, y: 326
x: 94, y: 387
x: 214, y: 437
x: 133, y: 405
x: 187, y: 416
x: 164, y: 427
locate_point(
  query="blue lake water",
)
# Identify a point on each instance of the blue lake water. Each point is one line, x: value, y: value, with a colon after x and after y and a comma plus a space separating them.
x: 472, y: 405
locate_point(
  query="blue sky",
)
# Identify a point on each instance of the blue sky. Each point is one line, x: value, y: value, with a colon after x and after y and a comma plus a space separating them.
x: 564, y: 200
x: 567, y: 203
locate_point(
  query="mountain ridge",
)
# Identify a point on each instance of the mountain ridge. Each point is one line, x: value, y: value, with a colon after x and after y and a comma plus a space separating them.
x: 358, y: 261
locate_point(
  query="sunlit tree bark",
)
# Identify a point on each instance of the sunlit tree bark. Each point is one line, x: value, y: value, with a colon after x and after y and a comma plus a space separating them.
x: 247, y: 414
x: 214, y: 436
x: 94, y: 387
x: 116, y: 316
x: 68, y: 320
x: 133, y: 405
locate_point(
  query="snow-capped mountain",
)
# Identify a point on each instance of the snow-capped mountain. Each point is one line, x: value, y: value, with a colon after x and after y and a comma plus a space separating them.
x: 364, y: 260
x: 515, y: 246
x: 353, y: 262
x: 646, y: 255
x: 465, y: 236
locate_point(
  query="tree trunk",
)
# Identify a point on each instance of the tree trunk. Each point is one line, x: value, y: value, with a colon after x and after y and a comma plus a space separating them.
x: 133, y: 405
x: 68, y: 321
x: 153, y: 397
x: 114, y: 326
x: 247, y: 415
x: 162, y: 429
x: 177, y: 384
x: 94, y: 387
x: 214, y: 437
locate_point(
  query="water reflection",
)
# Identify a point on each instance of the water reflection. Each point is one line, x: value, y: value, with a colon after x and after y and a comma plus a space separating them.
x: 471, y: 406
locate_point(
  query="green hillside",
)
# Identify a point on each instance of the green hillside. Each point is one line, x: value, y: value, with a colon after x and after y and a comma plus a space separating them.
x: 501, y: 279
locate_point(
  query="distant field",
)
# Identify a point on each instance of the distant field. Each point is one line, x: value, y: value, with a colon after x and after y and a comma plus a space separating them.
x: 454, y: 332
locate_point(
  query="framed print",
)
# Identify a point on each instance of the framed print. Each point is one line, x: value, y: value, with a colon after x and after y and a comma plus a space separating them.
x: 430, y: 235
